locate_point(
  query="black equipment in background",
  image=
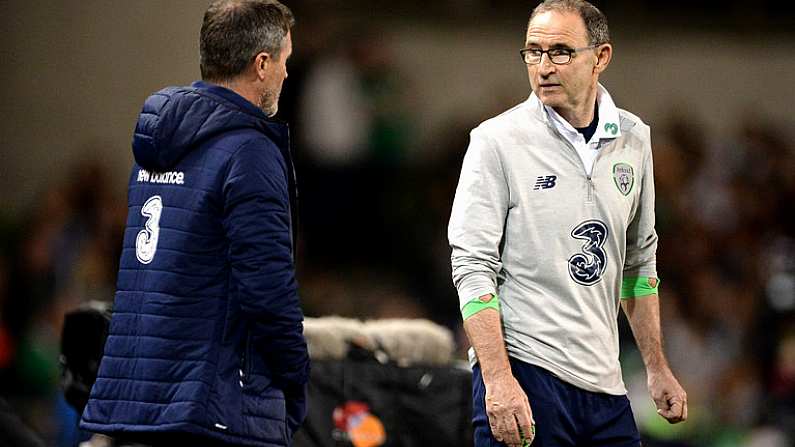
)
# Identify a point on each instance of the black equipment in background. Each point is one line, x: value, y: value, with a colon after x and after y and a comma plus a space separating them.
x: 82, y: 345
x: 359, y: 401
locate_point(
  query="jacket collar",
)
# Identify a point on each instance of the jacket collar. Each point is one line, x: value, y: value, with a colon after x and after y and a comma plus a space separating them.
x: 277, y: 128
x: 610, y: 123
x: 230, y: 96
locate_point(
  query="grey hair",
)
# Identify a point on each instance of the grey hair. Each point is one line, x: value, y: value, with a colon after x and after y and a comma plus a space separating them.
x: 234, y: 31
x: 595, y: 20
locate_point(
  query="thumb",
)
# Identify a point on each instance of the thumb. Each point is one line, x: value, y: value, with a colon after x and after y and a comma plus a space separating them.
x: 662, y: 402
x: 670, y: 411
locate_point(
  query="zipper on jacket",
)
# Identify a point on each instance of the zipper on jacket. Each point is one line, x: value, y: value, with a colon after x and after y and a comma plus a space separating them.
x: 589, y: 186
x: 244, y: 361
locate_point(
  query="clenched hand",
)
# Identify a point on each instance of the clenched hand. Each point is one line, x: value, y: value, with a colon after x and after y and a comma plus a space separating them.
x: 669, y: 397
x: 508, y: 410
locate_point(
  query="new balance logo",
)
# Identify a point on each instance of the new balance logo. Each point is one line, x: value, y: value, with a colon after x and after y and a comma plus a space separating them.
x: 545, y: 182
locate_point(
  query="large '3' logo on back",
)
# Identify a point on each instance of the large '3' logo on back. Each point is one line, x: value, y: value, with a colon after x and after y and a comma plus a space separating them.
x: 146, y: 240
x: 588, y: 266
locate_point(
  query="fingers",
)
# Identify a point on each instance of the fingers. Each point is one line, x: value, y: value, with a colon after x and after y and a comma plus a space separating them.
x: 674, y: 410
x: 512, y: 437
x: 524, y: 420
x: 669, y: 397
x: 504, y: 429
x: 526, y: 433
x: 516, y: 430
x: 684, y: 411
x: 671, y: 411
x: 509, y: 414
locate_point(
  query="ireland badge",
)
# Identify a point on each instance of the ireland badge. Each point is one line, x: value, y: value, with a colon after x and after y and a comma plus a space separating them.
x: 624, y: 177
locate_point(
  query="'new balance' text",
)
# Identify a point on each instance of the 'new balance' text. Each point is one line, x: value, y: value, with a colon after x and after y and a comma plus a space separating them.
x: 171, y: 177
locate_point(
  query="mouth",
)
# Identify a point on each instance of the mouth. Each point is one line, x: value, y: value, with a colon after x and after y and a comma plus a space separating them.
x: 548, y: 85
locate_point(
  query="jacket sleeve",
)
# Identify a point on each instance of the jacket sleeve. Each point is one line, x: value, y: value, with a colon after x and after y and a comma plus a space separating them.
x: 257, y: 223
x: 477, y: 220
x: 641, y: 257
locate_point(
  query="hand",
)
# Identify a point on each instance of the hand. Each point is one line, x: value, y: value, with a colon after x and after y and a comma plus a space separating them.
x: 509, y: 413
x: 669, y: 397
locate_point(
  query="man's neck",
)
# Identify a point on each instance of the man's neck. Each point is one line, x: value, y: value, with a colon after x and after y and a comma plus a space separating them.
x: 241, y: 89
x: 581, y: 115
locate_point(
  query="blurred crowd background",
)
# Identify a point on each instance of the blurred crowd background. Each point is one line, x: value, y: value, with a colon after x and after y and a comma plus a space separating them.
x: 381, y: 97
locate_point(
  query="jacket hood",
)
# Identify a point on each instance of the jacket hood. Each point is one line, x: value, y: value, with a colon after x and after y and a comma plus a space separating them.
x: 176, y: 120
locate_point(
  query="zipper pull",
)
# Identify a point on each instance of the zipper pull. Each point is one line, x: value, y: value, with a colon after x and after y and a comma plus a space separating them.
x: 589, y: 194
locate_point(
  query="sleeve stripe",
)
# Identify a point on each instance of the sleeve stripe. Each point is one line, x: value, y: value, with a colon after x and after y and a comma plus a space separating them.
x: 477, y: 305
x: 637, y: 286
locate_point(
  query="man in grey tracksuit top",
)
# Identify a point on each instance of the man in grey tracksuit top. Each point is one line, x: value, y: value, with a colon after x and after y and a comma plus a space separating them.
x: 568, y: 237
x: 552, y: 228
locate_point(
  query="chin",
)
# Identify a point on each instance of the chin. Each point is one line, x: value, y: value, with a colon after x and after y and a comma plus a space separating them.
x: 269, y: 103
x: 270, y: 110
x: 549, y: 100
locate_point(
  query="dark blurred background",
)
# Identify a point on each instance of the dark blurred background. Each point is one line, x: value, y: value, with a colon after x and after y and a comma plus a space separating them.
x: 381, y: 97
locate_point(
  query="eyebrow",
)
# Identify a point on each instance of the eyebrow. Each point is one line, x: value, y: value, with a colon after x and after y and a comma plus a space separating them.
x: 531, y: 44
x: 557, y: 46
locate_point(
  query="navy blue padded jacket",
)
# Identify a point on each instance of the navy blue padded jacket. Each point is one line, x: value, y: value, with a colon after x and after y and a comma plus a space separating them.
x: 206, y: 335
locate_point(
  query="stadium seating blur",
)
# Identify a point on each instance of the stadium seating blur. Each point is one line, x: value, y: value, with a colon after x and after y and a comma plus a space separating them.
x: 375, y: 197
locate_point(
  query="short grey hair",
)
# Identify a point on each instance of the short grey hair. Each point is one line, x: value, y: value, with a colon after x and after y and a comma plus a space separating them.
x: 234, y: 31
x: 595, y: 20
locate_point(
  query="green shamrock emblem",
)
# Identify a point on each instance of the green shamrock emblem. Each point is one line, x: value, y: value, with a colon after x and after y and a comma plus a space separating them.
x: 612, y: 128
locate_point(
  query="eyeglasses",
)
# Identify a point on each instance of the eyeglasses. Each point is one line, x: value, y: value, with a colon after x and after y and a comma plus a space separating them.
x: 558, y: 56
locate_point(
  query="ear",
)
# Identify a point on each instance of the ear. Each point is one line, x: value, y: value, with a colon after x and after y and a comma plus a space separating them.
x: 604, y: 53
x: 262, y: 63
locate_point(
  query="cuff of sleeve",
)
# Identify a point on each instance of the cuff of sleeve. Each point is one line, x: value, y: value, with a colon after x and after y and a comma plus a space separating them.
x: 637, y: 286
x: 478, y: 305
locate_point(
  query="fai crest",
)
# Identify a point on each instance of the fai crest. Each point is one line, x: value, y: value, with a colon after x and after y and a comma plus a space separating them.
x: 624, y: 177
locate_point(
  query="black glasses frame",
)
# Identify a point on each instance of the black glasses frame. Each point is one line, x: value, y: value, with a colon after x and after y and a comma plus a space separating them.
x: 568, y: 52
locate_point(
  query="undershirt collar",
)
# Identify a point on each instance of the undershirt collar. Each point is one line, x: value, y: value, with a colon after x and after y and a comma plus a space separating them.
x: 588, y: 131
x: 605, y: 122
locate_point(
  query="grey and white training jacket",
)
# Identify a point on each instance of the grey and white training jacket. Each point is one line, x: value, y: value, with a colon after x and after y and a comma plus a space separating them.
x: 529, y: 224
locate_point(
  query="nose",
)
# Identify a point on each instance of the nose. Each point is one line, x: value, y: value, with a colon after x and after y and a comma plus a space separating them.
x: 545, y: 66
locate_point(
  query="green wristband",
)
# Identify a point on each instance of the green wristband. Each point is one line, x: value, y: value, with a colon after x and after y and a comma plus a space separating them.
x: 637, y: 286
x: 477, y: 305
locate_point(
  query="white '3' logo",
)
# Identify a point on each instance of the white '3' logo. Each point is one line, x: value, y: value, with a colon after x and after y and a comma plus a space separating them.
x: 146, y: 241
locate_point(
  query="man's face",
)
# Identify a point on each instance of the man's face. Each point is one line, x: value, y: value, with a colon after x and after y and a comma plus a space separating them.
x: 562, y: 87
x: 276, y: 73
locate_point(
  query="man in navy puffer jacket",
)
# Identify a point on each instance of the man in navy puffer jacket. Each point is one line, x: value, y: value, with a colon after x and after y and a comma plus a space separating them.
x: 206, y: 343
